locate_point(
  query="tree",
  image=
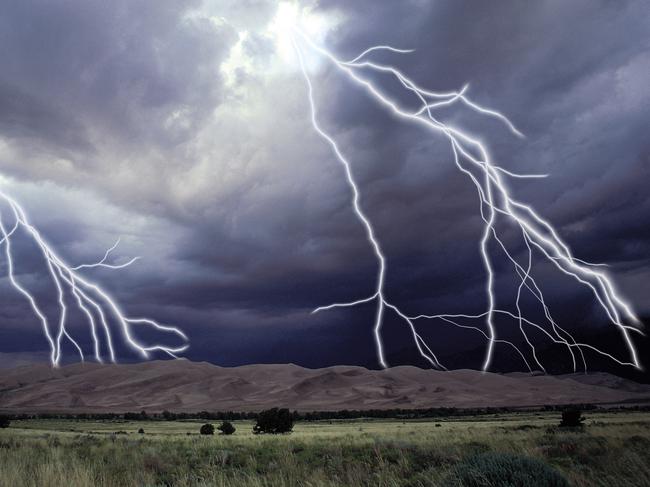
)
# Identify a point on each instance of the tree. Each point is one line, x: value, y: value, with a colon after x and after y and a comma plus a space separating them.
x: 274, y: 421
x: 226, y: 428
x: 168, y: 416
x: 141, y: 431
x: 571, y: 418
x: 207, y: 429
x: 4, y: 421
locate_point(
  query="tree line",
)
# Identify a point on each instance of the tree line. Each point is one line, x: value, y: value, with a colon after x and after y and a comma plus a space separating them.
x: 308, y: 416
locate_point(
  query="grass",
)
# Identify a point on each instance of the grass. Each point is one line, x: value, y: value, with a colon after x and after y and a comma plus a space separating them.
x: 612, y: 450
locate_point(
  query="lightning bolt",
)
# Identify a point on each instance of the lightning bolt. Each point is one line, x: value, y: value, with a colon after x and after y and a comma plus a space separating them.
x: 496, y: 203
x: 98, y: 307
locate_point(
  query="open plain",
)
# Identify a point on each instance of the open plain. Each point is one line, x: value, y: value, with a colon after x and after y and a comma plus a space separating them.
x: 613, y: 449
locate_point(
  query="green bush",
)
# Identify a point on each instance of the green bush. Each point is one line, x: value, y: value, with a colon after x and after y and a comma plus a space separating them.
x: 505, y: 470
x: 226, y: 428
x: 274, y: 421
x: 207, y: 429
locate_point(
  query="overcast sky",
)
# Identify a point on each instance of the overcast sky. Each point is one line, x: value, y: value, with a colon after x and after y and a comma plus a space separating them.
x: 183, y: 128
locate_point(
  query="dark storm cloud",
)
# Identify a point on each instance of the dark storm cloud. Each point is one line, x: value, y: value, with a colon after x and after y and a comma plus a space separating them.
x: 571, y: 77
x: 187, y: 137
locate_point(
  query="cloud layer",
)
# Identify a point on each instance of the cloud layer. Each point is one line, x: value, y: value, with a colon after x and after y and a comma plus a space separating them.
x: 183, y: 128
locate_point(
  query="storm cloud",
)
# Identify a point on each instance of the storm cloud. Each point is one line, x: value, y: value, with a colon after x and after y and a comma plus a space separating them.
x: 181, y: 128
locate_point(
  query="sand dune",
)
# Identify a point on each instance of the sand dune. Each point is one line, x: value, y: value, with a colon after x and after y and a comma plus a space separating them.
x: 191, y: 386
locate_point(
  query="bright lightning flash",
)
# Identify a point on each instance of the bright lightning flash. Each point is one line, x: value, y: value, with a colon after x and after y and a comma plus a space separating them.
x: 95, y: 303
x: 471, y: 157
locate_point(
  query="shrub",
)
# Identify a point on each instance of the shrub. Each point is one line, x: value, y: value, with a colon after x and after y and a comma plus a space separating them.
x: 274, y: 421
x: 226, y: 428
x: 571, y: 418
x: 4, y: 421
x: 207, y: 429
x: 506, y: 470
x: 141, y: 431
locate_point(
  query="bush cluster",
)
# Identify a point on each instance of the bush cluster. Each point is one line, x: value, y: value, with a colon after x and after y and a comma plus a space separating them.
x: 226, y: 428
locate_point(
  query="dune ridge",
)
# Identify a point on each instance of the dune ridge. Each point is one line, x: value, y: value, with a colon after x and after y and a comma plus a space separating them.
x: 181, y: 385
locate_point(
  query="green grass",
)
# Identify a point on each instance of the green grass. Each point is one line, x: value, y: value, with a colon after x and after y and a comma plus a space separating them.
x: 612, y: 450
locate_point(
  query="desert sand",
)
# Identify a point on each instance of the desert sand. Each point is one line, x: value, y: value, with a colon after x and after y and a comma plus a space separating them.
x: 182, y: 385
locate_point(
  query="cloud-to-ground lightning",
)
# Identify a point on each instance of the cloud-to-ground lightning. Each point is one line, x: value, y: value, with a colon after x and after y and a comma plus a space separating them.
x: 471, y: 157
x: 98, y: 307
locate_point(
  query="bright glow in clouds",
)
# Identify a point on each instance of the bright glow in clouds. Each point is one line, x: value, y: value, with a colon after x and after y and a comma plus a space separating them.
x: 290, y: 14
x: 277, y: 34
x: 301, y: 50
x: 496, y: 204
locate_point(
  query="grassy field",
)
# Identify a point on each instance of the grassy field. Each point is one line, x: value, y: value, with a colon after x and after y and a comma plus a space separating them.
x: 613, y: 449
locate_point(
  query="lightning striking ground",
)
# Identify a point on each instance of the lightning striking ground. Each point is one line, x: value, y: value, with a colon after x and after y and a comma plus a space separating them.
x: 471, y: 157
x: 98, y: 307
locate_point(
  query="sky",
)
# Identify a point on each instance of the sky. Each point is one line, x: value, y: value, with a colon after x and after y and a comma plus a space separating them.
x: 182, y: 128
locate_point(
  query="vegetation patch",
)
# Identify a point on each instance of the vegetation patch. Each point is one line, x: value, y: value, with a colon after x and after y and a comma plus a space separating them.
x: 505, y: 470
x: 369, y: 452
x: 274, y: 421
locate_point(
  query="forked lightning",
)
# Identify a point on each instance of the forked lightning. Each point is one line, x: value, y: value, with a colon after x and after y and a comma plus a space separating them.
x: 496, y: 204
x: 471, y: 157
x: 100, y: 309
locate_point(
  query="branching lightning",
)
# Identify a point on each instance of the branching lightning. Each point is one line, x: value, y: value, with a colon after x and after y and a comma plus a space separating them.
x: 471, y: 157
x: 95, y: 304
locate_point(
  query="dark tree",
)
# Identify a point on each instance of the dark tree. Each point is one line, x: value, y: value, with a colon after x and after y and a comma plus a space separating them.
x: 141, y: 431
x: 226, y: 428
x: 571, y: 418
x: 168, y: 416
x: 4, y: 421
x: 207, y: 429
x: 274, y: 421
